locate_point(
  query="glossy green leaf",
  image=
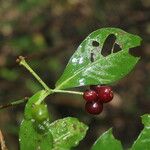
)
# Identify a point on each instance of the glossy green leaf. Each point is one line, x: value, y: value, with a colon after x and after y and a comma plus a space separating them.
x: 31, y: 138
x: 143, y: 140
x: 35, y: 134
x: 106, y: 142
x: 81, y: 70
x: 67, y: 133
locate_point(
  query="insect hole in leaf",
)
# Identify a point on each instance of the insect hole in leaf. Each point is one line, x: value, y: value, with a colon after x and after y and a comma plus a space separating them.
x: 108, y: 45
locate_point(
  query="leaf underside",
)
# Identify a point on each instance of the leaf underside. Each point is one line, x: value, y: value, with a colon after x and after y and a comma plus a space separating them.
x: 81, y: 70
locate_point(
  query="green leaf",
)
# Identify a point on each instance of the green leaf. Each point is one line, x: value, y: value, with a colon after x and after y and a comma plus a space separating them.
x: 35, y: 134
x: 143, y: 140
x: 31, y: 138
x: 67, y: 133
x: 81, y: 71
x: 106, y: 142
x: 146, y: 120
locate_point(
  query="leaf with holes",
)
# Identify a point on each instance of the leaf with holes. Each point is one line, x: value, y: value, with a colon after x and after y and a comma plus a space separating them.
x: 88, y: 66
x: 143, y: 140
x: 105, y: 141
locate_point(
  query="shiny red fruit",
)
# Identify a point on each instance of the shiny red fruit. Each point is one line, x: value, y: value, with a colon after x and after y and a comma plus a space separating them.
x: 90, y: 95
x: 105, y: 94
x: 94, y: 108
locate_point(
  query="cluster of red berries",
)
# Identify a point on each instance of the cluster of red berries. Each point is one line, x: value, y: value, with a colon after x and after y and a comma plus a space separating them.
x: 95, y: 97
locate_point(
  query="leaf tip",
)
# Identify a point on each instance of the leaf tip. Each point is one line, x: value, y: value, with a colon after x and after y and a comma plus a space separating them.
x: 146, y: 119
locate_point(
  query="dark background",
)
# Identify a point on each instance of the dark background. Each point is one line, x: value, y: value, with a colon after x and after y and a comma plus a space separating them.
x: 48, y: 32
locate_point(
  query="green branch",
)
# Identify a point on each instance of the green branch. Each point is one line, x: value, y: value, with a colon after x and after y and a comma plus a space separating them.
x: 14, y: 103
x: 23, y: 62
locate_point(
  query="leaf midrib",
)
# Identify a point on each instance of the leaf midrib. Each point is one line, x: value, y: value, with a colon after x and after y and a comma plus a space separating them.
x: 111, y: 55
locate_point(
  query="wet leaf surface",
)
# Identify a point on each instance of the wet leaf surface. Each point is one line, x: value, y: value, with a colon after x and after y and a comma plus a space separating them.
x: 88, y: 66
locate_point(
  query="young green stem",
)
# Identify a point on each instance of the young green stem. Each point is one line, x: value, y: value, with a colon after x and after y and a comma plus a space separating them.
x: 38, y: 102
x: 23, y: 62
x: 45, y: 94
x: 69, y: 92
x: 14, y: 103
x: 48, y: 91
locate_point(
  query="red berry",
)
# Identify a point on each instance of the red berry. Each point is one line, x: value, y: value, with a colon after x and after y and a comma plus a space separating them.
x: 94, y: 108
x: 105, y: 94
x: 90, y: 95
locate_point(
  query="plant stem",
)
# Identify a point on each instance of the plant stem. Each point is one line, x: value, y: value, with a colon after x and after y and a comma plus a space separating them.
x: 23, y: 62
x: 69, y: 92
x: 14, y: 103
x: 48, y: 93
x: 44, y: 95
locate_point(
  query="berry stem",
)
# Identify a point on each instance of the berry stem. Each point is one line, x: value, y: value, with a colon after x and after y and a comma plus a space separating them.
x: 48, y: 93
x: 69, y: 92
x: 45, y: 94
x: 23, y: 62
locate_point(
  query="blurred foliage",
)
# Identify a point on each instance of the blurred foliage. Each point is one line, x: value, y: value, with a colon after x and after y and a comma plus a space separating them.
x: 48, y: 32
